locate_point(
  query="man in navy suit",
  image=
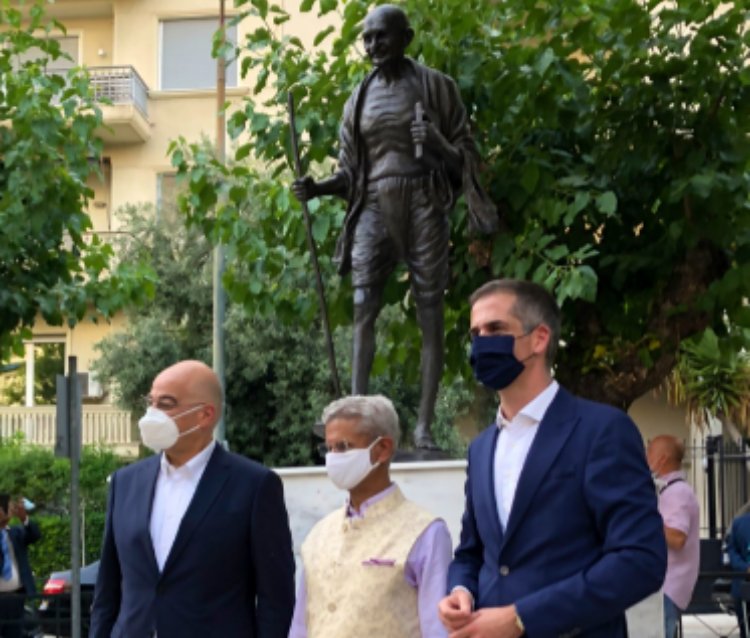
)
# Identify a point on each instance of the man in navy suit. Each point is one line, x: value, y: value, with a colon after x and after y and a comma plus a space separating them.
x: 197, y: 541
x: 561, y: 531
x: 738, y: 549
x: 16, y: 579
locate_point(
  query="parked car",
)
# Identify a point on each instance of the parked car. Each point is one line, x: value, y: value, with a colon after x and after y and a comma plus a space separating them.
x: 54, y: 610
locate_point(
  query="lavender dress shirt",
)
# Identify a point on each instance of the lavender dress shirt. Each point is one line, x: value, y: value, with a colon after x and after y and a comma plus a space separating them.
x: 426, y: 569
x: 679, y: 508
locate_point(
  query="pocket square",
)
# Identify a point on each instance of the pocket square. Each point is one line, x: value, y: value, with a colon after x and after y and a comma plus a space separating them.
x: 379, y: 562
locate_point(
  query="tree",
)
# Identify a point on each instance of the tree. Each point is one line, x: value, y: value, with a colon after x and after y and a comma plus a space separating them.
x: 50, y: 263
x: 712, y: 379
x: 276, y: 375
x: 616, y: 138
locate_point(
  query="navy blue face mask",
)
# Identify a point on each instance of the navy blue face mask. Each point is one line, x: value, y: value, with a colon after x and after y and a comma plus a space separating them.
x: 493, y: 361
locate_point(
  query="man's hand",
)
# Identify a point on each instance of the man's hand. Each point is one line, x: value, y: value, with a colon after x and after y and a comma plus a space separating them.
x: 436, y: 149
x: 455, y: 609
x: 304, y: 188
x: 423, y: 132
x: 17, y: 508
x: 492, y: 622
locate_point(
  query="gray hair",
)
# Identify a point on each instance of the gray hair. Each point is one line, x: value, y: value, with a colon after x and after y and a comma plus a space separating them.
x: 375, y: 415
x: 534, y: 305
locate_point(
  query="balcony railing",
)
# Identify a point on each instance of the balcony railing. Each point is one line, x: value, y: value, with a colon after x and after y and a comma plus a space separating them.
x: 120, y: 85
x: 101, y: 425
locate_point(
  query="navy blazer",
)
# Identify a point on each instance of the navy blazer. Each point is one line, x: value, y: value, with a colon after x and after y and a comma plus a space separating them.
x: 584, y: 538
x: 229, y: 573
x: 21, y: 536
x: 738, y: 549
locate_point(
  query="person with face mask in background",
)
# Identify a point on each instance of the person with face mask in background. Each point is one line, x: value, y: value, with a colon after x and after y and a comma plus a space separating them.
x: 376, y: 567
x: 561, y: 531
x: 197, y: 540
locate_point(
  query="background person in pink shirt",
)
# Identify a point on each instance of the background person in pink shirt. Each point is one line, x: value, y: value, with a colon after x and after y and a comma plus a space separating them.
x: 678, y: 507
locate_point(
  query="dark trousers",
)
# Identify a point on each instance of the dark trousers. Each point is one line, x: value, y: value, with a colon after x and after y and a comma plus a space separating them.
x: 11, y: 614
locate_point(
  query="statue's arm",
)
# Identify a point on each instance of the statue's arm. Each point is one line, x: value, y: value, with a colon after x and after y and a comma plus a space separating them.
x: 306, y: 188
x: 438, y: 150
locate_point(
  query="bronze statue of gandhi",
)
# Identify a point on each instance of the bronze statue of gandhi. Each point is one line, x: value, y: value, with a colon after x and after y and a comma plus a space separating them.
x: 405, y: 155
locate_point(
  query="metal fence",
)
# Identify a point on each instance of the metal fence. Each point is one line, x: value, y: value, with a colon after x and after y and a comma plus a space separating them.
x: 718, y: 467
x: 120, y: 85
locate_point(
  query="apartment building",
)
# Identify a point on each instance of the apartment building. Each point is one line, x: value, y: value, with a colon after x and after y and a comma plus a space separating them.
x: 151, y: 59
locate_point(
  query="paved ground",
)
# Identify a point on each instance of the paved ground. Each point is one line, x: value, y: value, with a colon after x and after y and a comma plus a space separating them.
x: 709, y: 626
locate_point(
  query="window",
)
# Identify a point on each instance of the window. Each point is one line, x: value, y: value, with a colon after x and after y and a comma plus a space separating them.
x: 68, y: 45
x: 167, y: 192
x: 186, y: 61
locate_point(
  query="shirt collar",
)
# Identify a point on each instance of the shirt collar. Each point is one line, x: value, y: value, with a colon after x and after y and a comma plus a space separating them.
x: 677, y: 474
x: 533, y: 412
x: 194, y: 467
x: 352, y: 513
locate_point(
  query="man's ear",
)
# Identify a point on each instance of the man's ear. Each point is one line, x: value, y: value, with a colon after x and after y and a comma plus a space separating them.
x: 384, y: 450
x: 541, y: 338
x: 209, y: 414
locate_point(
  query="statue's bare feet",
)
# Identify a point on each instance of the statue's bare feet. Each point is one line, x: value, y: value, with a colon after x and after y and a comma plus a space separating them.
x: 423, y: 438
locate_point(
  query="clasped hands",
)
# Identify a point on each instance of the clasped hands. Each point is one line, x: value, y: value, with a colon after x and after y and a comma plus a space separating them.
x: 455, y: 611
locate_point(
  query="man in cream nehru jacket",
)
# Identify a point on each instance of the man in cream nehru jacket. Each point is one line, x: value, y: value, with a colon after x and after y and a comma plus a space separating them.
x: 377, y: 566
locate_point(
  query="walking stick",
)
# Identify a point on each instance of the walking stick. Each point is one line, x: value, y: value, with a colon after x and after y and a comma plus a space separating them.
x: 313, y: 253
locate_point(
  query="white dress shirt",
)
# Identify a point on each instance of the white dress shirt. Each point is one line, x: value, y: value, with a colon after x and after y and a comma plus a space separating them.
x: 513, y: 445
x: 175, y: 487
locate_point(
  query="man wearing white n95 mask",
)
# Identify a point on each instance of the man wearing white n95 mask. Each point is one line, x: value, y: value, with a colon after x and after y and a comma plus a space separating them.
x: 378, y: 566
x: 197, y: 540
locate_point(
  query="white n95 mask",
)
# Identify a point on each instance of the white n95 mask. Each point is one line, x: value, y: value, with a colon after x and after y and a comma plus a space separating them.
x: 348, y: 469
x: 158, y: 429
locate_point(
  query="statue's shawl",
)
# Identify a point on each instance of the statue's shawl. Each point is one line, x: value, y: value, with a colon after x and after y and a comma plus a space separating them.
x: 443, y: 106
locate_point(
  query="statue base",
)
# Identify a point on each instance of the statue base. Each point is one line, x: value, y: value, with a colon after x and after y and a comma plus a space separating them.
x: 420, y: 454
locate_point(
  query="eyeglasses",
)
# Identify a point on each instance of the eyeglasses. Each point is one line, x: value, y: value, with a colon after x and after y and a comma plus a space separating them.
x: 338, y: 447
x: 165, y: 404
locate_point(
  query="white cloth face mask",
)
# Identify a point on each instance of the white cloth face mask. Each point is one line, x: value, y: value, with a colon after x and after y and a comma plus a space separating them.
x: 348, y: 469
x: 159, y: 431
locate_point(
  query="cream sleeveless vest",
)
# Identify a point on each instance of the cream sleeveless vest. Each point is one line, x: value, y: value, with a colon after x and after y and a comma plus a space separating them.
x: 354, y: 571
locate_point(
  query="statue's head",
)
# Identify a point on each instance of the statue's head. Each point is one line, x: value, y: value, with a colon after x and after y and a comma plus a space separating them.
x: 386, y: 34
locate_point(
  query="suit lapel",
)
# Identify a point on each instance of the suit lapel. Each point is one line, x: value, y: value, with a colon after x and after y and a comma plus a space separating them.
x: 147, y: 485
x: 486, y: 485
x: 554, y: 430
x: 210, y: 485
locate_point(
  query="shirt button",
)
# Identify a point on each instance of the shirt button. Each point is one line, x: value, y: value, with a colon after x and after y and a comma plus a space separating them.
x: 504, y: 570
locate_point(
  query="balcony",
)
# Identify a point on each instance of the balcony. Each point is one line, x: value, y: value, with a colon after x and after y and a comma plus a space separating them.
x: 101, y: 425
x: 126, y: 112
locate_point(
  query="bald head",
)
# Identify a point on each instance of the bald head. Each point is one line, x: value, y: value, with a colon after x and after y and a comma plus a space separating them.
x: 195, y: 382
x: 392, y: 15
x: 665, y: 454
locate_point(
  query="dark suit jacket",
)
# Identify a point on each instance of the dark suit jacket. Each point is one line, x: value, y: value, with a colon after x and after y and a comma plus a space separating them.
x: 230, y: 572
x: 21, y: 536
x: 584, y: 539
x: 738, y: 549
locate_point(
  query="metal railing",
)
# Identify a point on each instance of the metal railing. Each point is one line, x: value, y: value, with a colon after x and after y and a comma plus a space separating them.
x: 102, y: 425
x: 119, y: 85
x: 720, y: 465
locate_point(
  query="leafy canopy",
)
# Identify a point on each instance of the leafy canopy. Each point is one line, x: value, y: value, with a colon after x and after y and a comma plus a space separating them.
x: 277, y: 380
x: 50, y: 261
x: 616, y: 141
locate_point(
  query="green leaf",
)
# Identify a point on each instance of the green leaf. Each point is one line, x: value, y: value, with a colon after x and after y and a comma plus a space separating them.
x: 607, y: 203
x: 530, y: 177
x: 320, y: 227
